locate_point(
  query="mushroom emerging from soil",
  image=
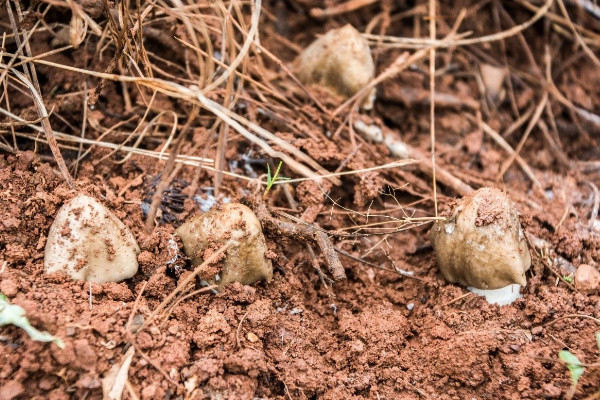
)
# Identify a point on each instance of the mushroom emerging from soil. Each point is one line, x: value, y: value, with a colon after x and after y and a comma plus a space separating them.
x: 88, y: 242
x: 246, y: 261
x: 340, y: 61
x: 481, y: 245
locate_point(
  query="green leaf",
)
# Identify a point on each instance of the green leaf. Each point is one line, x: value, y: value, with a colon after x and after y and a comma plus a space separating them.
x: 277, y: 171
x: 567, y: 278
x: 272, y: 179
x: 15, y: 315
x: 573, y: 364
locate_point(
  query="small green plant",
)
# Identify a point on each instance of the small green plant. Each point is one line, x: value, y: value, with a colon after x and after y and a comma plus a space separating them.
x: 272, y: 179
x: 575, y: 367
x: 567, y: 278
x: 15, y: 315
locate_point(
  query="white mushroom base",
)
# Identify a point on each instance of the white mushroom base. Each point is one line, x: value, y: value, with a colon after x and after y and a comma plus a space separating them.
x: 502, y: 296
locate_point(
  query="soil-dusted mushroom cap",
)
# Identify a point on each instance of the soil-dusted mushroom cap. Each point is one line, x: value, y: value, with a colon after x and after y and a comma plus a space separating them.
x: 481, y: 244
x: 245, y: 261
x: 340, y: 60
x: 88, y: 242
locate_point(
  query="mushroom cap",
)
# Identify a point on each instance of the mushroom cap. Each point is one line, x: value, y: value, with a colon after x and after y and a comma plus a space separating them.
x: 245, y: 262
x: 88, y: 242
x: 481, y: 244
x: 340, y: 60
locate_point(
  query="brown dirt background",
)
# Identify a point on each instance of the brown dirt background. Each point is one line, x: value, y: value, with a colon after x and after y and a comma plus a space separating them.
x: 376, y: 335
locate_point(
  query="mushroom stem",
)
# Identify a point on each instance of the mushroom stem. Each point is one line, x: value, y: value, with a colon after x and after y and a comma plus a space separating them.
x: 502, y: 296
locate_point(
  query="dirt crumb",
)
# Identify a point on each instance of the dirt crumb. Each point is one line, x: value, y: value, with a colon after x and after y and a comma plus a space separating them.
x: 9, y: 287
x: 11, y: 390
x: 490, y: 208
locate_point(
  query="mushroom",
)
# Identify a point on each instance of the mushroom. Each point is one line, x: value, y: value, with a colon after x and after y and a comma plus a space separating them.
x: 88, y: 242
x: 481, y: 245
x: 246, y: 260
x: 340, y: 61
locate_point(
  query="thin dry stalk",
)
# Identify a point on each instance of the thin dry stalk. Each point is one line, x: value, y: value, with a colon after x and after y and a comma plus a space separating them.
x: 511, y: 92
x: 432, y: 36
x: 592, y: 38
x: 348, y: 6
x: 183, y: 297
x: 518, y: 122
x: 229, y: 99
x: 183, y: 285
x: 504, y: 144
x: 532, y: 123
x: 47, y: 128
x: 578, y: 37
x: 252, y: 35
x: 456, y: 41
x: 555, y: 149
x: 83, y: 129
x: 184, y: 159
x: 443, y: 176
x: 28, y: 68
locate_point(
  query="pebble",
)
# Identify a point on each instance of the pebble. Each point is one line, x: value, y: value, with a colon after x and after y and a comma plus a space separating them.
x: 9, y: 287
x: 86, y: 357
x: 537, y: 330
x: 11, y: 390
x: 587, y: 278
x: 551, y: 391
x: 149, y: 392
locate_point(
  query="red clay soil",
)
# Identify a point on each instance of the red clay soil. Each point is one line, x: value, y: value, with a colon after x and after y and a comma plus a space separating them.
x: 382, y: 335
x: 379, y: 334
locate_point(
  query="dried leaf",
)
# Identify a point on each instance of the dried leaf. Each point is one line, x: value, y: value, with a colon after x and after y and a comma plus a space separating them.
x: 77, y: 30
x: 115, y: 380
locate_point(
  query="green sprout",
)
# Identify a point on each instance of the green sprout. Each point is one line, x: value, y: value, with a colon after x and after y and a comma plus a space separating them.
x: 575, y: 367
x: 567, y: 278
x: 15, y: 315
x: 573, y: 364
x: 272, y: 179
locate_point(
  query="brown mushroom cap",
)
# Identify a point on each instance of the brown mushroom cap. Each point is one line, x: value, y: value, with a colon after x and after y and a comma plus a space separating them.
x: 245, y: 262
x: 340, y: 60
x: 481, y: 244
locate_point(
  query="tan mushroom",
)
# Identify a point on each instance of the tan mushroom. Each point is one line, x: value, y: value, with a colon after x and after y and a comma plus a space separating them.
x: 340, y: 61
x: 246, y: 260
x: 481, y: 244
x: 88, y: 242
